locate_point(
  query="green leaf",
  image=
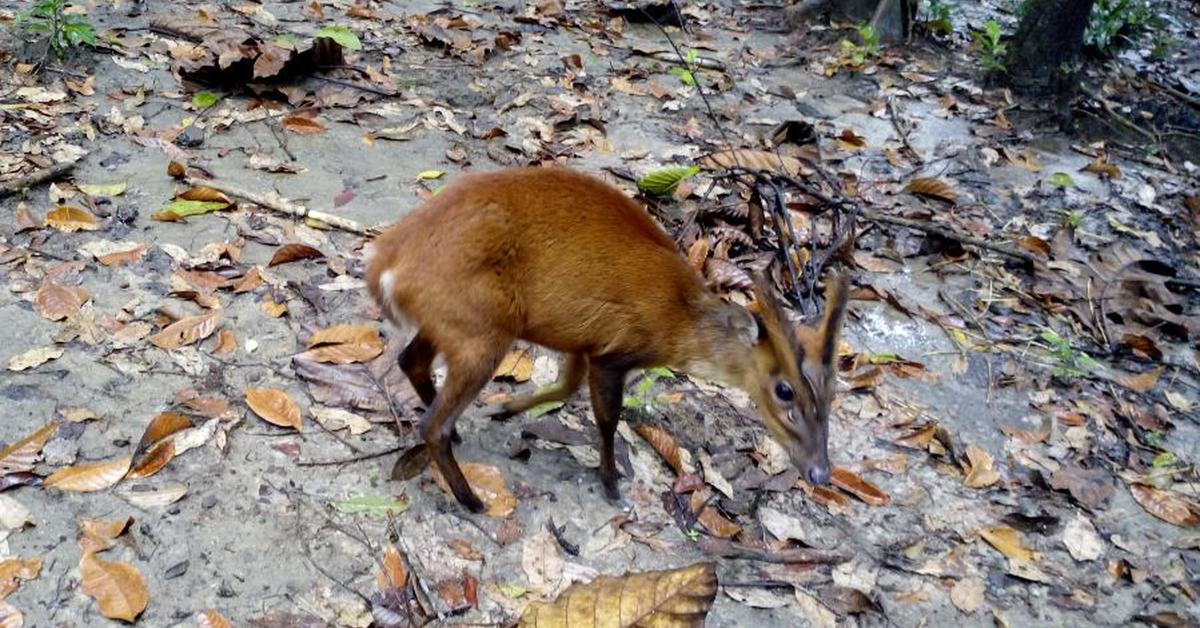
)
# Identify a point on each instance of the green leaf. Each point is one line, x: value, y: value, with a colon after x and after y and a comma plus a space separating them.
x: 1164, y: 459
x: 631, y: 402
x: 684, y: 75
x: 660, y: 371
x: 544, y: 408
x: 204, y: 100
x: 884, y: 358
x: 102, y: 189
x: 429, y: 175
x: 513, y: 591
x: 342, y: 36
x: 1061, y: 180
x: 184, y: 208
x: 371, y: 504
x: 663, y: 182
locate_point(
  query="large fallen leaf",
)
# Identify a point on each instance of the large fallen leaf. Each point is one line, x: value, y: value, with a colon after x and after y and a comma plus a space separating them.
x: 677, y: 597
x: 516, y: 366
x: 1008, y: 542
x: 852, y: 483
x: 21, y: 455
x: 980, y: 473
x: 302, y: 125
x: 87, y: 478
x: 160, y: 427
x: 488, y: 484
x: 97, y: 535
x: 1165, y: 505
x: 152, y: 461
x: 156, y: 498
x: 275, y: 407
x: 345, y: 344
x: 34, y: 358
x: 186, y: 331
x: 117, y: 587
x: 334, y: 419
x: 1142, y: 382
x: 70, y: 219
x: 294, y: 252
x: 55, y: 302
x: 205, y: 194
x: 752, y: 159
x: 929, y: 187
x: 664, y: 181
x: 664, y: 444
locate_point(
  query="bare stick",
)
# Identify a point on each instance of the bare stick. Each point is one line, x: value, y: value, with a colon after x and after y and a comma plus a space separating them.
x: 900, y: 130
x: 8, y: 188
x: 277, y: 203
x: 730, y: 549
x: 941, y: 232
x: 358, y: 458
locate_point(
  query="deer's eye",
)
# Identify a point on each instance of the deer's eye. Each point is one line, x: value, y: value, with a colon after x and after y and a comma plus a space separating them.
x: 784, y: 392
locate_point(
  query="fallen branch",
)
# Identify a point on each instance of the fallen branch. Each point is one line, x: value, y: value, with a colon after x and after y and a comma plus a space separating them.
x: 8, y: 188
x: 942, y: 232
x: 277, y: 203
x: 725, y: 548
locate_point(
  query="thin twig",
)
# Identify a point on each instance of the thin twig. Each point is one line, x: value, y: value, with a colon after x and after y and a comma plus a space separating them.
x: 942, y: 232
x: 281, y: 205
x: 901, y: 131
x: 358, y: 458
x: 13, y: 186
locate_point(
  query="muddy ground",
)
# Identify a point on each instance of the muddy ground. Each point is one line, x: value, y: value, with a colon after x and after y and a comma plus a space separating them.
x: 255, y: 536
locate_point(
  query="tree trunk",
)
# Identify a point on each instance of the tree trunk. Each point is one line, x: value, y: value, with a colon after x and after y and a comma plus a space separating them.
x: 1047, y: 42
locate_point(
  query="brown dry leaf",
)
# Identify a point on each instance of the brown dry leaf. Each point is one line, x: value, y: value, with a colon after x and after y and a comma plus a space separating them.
x: 1008, y: 542
x: 293, y: 252
x: 226, y: 342
x: 251, y: 280
x: 167, y: 216
x: 302, y: 125
x: 919, y: 438
x: 677, y: 597
x: 273, y: 308
x: 212, y: 619
x: 1101, y: 165
x: 753, y: 159
x: 55, y: 302
x: 1165, y: 506
x: 717, y: 524
x: 829, y: 498
x: 205, y: 194
x: 463, y: 548
x: 71, y: 219
x: 87, y: 478
x: 186, y: 331
x: 698, y: 253
x: 345, y: 344
x: 392, y: 573
x: 850, y: 141
x: 929, y: 187
x: 25, y: 221
x: 96, y: 535
x: 34, y: 358
x: 153, y: 460
x: 488, y: 484
x: 852, y: 483
x: 1142, y: 382
x: 117, y: 587
x: 160, y: 427
x: 12, y: 572
x: 21, y: 455
x: 664, y: 444
x: 516, y: 366
x: 980, y: 473
x: 275, y: 407
x: 127, y: 256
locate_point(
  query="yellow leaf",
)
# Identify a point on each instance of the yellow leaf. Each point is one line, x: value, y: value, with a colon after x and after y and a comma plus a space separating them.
x: 517, y: 366
x: 677, y: 597
x: 980, y: 473
x: 87, y: 478
x: 70, y: 219
x: 275, y: 407
x: 117, y: 587
x: 428, y: 175
x: 1008, y: 542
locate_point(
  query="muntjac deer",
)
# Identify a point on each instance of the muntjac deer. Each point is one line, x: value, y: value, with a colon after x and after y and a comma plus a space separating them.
x: 568, y: 262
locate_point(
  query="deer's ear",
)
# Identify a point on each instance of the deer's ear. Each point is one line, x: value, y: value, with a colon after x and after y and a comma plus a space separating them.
x: 837, y: 293
x: 742, y: 324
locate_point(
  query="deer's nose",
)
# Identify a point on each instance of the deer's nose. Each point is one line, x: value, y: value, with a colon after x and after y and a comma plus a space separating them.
x: 818, y: 474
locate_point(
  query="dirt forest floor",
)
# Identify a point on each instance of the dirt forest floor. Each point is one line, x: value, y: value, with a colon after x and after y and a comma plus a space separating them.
x: 192, y: 438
